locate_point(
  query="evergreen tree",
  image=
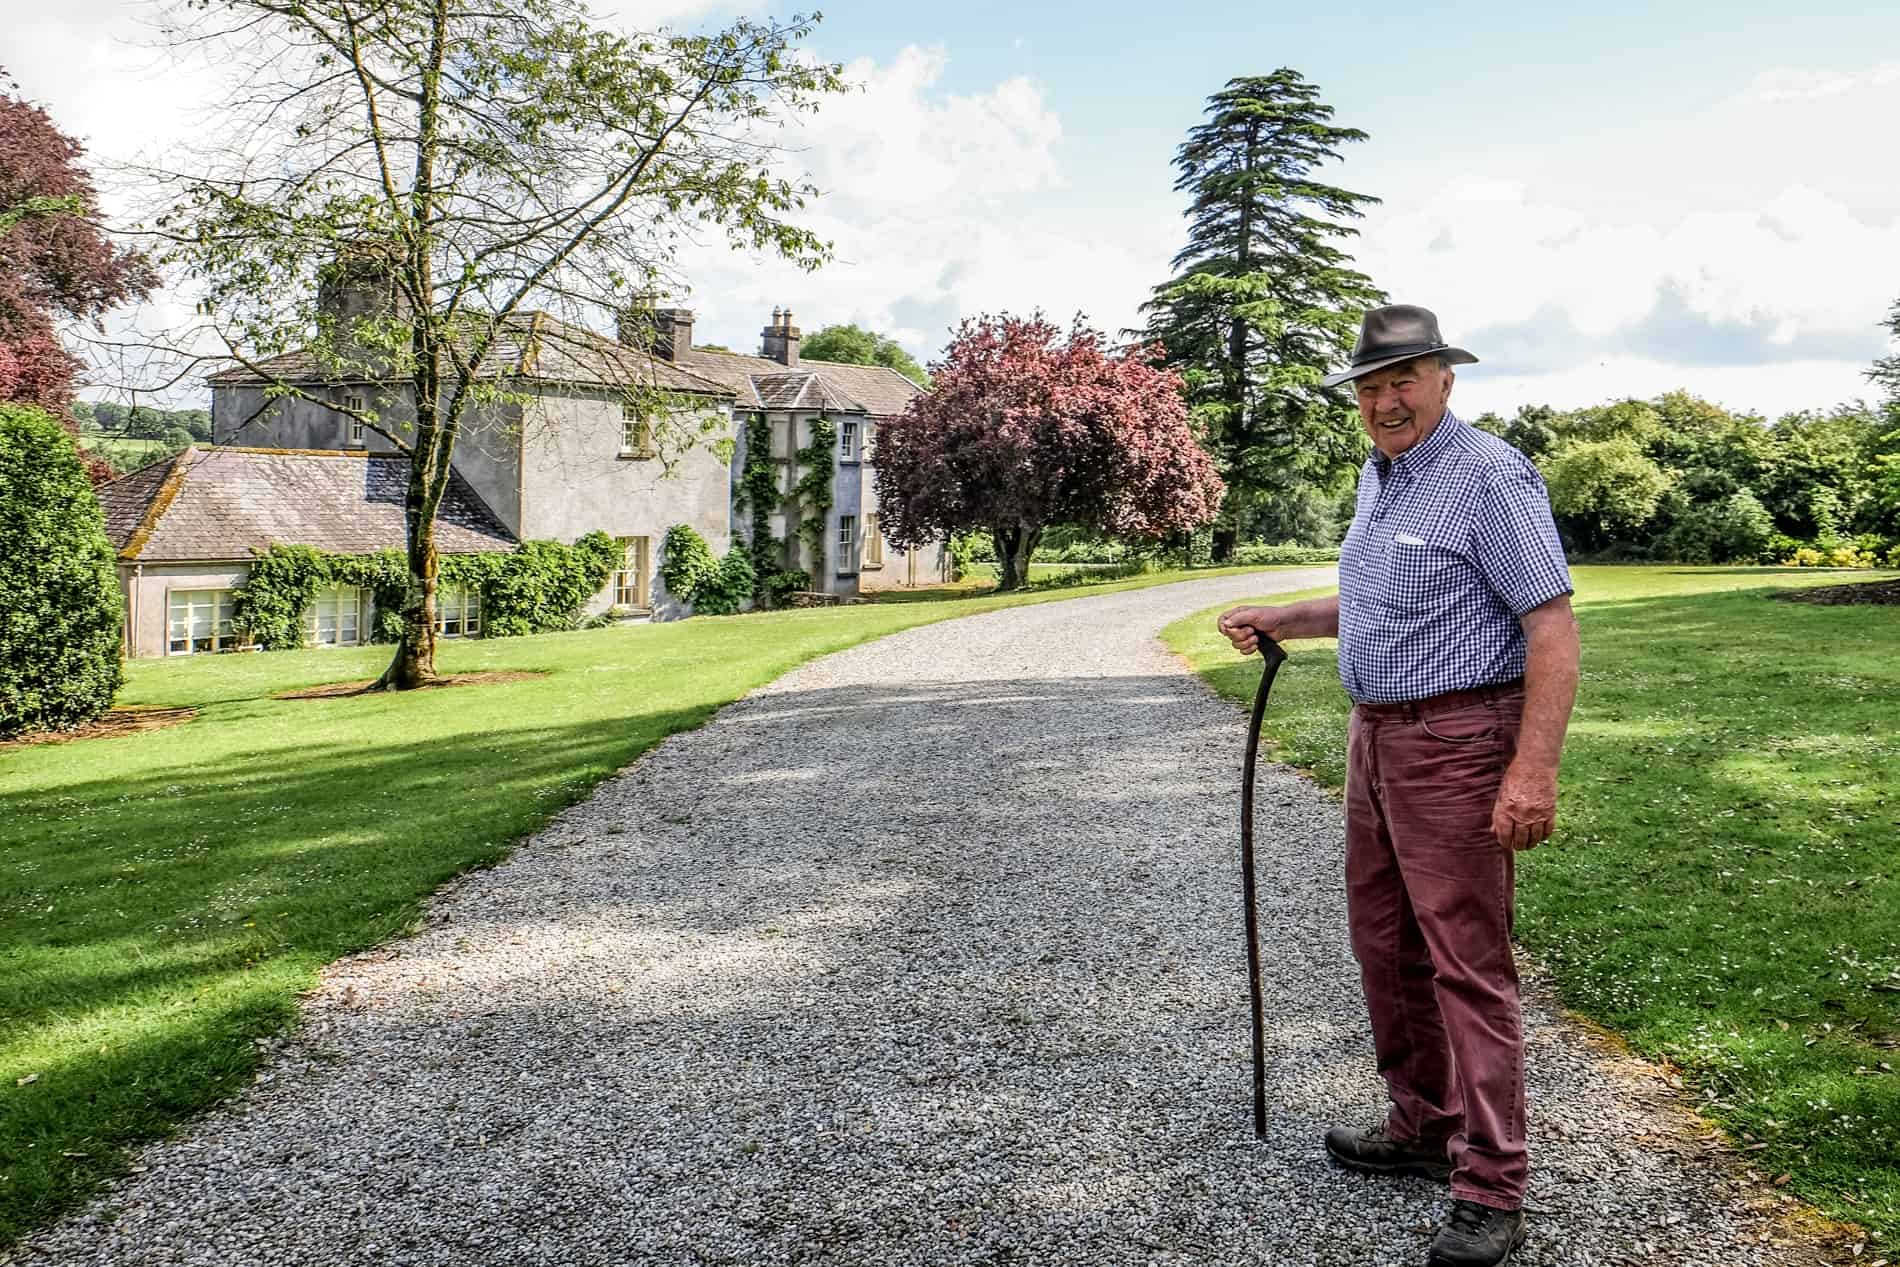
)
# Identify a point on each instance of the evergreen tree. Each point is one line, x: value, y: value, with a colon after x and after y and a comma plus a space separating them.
x: 1263, y: 303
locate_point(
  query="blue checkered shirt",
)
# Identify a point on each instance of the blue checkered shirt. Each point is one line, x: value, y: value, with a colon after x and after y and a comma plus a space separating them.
x: 1451, y: 542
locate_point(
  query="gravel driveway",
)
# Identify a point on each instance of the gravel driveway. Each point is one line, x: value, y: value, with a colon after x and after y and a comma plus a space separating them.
x: 929, y: 952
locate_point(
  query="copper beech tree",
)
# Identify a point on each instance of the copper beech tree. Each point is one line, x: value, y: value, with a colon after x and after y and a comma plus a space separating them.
x: 1026, y: 427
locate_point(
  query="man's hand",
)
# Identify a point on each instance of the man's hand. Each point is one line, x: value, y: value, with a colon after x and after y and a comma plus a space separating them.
x: 1243, y: 626
x: 1316, y: 618
x: 1526, y: 808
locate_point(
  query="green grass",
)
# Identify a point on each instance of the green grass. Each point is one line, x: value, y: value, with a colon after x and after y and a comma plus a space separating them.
x: 165, y: 896
x: 1724, y: 888
x: 126, y: 455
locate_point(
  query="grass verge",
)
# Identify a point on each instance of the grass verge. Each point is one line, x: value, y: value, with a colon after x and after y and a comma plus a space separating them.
x: 1724, y: 888
x: 165, y: 896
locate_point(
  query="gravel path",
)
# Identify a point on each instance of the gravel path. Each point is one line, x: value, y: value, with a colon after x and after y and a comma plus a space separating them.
x: 927, y: 953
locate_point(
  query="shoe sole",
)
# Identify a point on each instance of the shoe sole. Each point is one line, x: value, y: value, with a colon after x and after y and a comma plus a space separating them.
x: 1420, y: 1169
x: 1517, y: 1242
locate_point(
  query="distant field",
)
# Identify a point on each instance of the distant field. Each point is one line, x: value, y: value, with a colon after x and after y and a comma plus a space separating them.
x: 1724, y: 888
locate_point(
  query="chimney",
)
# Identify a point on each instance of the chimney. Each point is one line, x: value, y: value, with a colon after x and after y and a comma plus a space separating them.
x: 779, y: 341
x: 665, y: 332
x: 358, y: 284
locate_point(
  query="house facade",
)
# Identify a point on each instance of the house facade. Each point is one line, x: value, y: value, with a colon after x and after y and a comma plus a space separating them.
x: 620, y: 435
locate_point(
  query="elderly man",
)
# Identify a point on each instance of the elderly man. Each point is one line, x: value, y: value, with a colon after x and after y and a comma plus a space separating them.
x: 1458, y: 648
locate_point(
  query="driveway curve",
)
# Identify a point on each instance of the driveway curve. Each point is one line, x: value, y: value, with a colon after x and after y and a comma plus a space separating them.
x: 927, y: 953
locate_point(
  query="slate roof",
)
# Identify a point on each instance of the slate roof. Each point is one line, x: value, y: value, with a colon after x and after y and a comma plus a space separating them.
x: 877, y: 390
x: 535, y: 345
x: 223, y: 503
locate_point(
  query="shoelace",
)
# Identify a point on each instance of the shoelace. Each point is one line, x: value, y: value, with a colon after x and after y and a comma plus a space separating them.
x: 1469, y: 1216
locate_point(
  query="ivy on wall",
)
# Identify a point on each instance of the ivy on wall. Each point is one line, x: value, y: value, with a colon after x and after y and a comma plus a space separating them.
x: 813, y: 489
x: 537, y: 588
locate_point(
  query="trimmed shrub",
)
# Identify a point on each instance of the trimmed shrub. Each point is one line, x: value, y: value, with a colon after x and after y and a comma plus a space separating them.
x: 729, y: 585
x: 782, y: 584
x: 60, y: 607
x: 686, y: 562
x: 1258, y: 555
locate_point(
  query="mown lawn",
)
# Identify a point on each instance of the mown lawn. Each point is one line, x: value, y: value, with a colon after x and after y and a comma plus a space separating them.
x: 1724, y: 888
x: 165, y: 896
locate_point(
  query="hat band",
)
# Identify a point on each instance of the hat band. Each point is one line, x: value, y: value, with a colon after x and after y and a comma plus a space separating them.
x: 1403, y: 350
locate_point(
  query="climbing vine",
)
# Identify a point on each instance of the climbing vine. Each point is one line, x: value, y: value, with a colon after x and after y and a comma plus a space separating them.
x: 538, y: 588
x: 813, y: 489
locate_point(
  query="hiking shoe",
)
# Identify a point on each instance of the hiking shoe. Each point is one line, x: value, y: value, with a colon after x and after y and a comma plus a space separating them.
x: 1377, y: 1153
x: 1475, y: 1235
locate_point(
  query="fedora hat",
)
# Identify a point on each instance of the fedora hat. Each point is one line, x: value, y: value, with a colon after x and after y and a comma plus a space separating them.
x: 1397, y: 332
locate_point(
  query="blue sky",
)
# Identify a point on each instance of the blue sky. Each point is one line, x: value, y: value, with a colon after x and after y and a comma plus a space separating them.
x: 1613, y: 200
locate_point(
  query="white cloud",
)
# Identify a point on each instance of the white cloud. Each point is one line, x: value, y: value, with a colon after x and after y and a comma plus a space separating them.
x: 940, y: 205
x: 1770, y: 390
x: 1788, y: 83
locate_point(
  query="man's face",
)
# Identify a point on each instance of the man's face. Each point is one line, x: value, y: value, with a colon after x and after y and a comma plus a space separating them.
x: 1400, y: 404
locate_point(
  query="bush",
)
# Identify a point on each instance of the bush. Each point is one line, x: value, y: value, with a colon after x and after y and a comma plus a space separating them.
x: 1257, y: 555
x: 781, y: 585
x: 60, y: 607
x: 727, y: 587
x: 967, y: 549
x: 686, y: 562
x: 539, y: 588
x: 1735, y: 529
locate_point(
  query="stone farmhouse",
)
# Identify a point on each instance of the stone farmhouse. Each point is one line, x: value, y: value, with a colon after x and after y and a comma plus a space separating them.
x: 565, y: 455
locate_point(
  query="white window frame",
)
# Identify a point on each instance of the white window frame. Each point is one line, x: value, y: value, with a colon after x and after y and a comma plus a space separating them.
x: 873, y: 544
x: 847, y: 544
x: 344, y: 599
x: 217, y: 603
x: 465, y: 601
x: 356, y: 424
x: 630, y: 580
x: 636, y: 433
x: 848, y: 441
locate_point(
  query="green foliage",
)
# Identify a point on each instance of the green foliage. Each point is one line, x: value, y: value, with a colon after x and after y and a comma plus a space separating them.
x: 61, y: 611
x: 1264, y: 555
x: 143, y: 422
x: 1602, y: 488
x: 781, y: 583
x: 728, y: 586
x: 1736, y: 529
x: 1263, y: 302
x: 539, y: 588
x: 812, y: 493
x: 686, y: 562
x: 852, y: 346
x: 967, y: 549
x: 758, y: 495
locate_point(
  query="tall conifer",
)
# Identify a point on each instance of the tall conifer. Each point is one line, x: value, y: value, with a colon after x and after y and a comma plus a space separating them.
x: 1263, y: 301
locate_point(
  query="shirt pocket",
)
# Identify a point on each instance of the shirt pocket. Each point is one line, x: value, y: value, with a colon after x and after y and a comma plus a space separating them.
x: 1421, y: 578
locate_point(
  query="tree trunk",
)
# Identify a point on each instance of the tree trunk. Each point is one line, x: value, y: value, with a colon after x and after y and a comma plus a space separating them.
x: 414, y: 664
x: 1226, y: 537
x: 1014, y: 546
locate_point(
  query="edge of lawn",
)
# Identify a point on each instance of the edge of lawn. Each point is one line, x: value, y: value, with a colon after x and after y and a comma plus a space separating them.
x: 1304, y: 738
x: 243, y: 679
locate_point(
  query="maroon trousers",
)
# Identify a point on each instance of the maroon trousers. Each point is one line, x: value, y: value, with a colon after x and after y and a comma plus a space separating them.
x: 1430, y: 900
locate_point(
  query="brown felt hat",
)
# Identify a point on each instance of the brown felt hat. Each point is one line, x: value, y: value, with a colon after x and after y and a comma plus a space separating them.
x: 1397, y: 332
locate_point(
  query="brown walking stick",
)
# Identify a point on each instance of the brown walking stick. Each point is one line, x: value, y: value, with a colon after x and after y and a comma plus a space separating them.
x: 1270, y: 652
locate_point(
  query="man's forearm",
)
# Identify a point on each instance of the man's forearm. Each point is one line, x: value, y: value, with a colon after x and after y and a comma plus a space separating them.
x: 1550, y: 686
x: 1315, y: 618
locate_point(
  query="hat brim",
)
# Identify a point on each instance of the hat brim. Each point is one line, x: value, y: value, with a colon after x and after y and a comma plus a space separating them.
x: 1457, y: 356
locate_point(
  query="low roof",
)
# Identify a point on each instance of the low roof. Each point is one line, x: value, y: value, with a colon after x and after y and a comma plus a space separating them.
x: 224, y: 502
x: 534, y: 345
x: 763, y: 383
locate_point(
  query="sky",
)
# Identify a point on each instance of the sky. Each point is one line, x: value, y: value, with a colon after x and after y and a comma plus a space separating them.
x: 1598, y: 201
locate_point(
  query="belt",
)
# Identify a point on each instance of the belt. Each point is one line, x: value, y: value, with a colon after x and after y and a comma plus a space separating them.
x: 1447, y: 702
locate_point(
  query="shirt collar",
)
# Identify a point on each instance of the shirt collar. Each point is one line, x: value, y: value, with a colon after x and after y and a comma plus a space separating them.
x: 1420, y: 455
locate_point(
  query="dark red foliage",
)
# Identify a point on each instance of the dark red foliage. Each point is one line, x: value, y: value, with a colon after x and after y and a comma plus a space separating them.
x: 54, y: 260
x: 1024, y: 427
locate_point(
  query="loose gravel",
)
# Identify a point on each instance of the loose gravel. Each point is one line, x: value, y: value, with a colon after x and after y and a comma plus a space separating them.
x: 927, y: 953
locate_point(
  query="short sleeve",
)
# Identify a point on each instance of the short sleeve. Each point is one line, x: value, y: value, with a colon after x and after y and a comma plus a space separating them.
x: 1517, y: 547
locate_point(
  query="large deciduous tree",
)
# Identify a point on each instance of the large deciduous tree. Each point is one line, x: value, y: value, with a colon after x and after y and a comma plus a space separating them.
x: 56, y: 264
x: 1263, y: 302
x: 465, y: 165
x: 1025, y: 427
x: 854, y: 346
